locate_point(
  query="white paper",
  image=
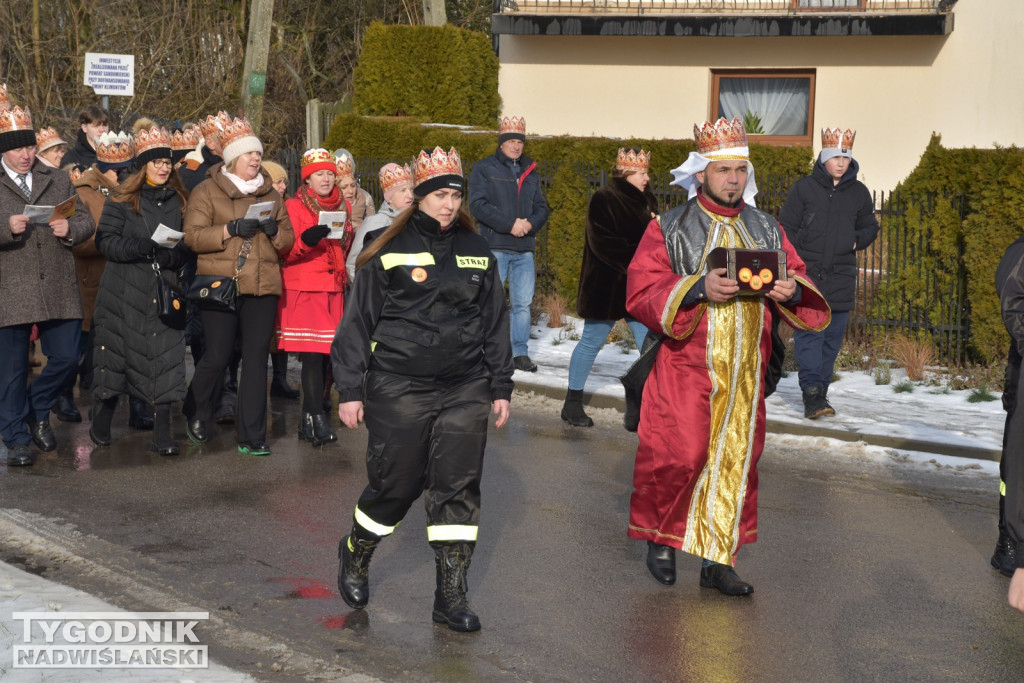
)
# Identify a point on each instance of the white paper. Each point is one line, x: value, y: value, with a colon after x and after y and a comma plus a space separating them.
x: 38, y: 214
x: 167, y: 237
x: 260, y: 210
x: 335, y: 220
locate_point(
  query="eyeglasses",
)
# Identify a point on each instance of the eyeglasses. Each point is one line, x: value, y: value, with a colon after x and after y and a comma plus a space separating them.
x: 161, y: 163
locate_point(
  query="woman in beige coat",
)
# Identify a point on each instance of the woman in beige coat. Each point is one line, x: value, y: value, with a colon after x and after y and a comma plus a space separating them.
x: 217, y: 230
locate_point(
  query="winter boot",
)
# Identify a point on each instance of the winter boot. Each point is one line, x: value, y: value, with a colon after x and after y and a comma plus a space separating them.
x: 829, y: 410
x: 1005, y: 557
x: 279, y: 386
x: 354, y: 568
x: 163, y: 440
x: 306, y: 431
x: 101, y: 415
x: 322, y: 429
x: 815, y: 404
x: 572, y: 409
x: 450, y: 603
x: 138, y: 415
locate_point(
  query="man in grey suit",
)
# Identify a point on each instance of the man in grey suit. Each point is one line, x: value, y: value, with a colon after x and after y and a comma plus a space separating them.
x: 37, y: 286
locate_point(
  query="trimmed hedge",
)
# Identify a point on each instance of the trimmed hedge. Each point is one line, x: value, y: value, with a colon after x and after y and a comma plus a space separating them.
x: 443, y: 73
x: 990, y: 185
x: 568, y: 196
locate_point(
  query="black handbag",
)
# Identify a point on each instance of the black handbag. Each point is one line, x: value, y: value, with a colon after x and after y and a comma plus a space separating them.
x: 170, y: 302
x: 219, y: 292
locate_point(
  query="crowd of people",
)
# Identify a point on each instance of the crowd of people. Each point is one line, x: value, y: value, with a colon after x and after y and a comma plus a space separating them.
x: 131, y: 247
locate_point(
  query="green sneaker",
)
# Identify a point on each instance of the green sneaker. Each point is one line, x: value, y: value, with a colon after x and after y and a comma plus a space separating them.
x: 253, y: 448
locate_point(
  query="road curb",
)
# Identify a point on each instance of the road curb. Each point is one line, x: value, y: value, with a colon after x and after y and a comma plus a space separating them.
x: 796, y: 429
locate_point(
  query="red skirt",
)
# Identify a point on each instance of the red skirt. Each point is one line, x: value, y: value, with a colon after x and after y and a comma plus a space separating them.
x: 307, y: 321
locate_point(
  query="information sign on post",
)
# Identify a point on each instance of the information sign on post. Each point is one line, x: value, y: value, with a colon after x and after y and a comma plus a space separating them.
x: 110, y: 74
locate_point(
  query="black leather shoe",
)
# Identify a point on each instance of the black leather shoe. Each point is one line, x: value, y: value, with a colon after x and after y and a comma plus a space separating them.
x: 66, y: 410
x: 280, y: 389
x: 20, y: 455
x: 254, y: 447
x: 196, y: 430
x: 322, y: 430
x: 661, y: 561
x: 524, y: 363
x: 165, y: 449
x: 43, y: 436
x: 724, y: 578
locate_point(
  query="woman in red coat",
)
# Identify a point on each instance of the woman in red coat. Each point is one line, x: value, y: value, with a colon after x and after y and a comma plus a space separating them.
x: 314, y: 279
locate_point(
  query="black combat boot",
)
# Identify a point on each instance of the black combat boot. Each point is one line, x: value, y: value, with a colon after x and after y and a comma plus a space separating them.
x: 1005, y: 557
x: 572, y: 409
x: 815, y: 404
x: 450, y: 603
x: 354, y: 568
x: 163, y: 439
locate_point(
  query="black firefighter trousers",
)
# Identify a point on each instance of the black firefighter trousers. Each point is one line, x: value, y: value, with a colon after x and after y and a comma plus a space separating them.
x: 424, y: 437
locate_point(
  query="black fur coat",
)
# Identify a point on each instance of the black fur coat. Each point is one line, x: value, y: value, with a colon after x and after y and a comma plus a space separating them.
x: 617, y: 217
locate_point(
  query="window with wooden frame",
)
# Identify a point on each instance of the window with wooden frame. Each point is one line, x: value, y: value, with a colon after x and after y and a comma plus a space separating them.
x: 776, y: 106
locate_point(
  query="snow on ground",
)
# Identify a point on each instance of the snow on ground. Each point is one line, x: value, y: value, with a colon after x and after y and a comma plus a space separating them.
x: 929, y: 413
x: 21, y: 591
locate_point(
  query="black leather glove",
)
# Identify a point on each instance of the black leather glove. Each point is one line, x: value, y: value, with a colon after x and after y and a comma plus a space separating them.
x: 269, y: 227
x: 313, y: 235
x: 243, y: 227
x: 144, y: 248
x: 163, y: 258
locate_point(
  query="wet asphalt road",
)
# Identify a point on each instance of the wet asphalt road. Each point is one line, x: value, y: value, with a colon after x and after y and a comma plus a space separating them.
x: 863, y: 571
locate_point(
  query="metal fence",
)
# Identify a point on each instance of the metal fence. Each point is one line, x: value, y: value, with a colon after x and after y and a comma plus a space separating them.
x: 938, y: 310
x: 719, y: 7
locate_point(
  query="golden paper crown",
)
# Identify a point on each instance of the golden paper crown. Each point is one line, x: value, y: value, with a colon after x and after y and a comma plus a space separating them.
x: 5, y: 101
x: 115, y: 148
x: 717, y: 139
x: 344, y: 166
x: 75, y: 172
x: 47, y: 138
x: 631, y: 161
x: 154, y: 138
x: 837, y: 138
x: 393, y: 176
x: 237, y: 129
x: 437, y: 163
x: 512, y: 124
x: 316, y: 156
x: 214, y: 125
x: 15, y: 119
x: 185, y: 139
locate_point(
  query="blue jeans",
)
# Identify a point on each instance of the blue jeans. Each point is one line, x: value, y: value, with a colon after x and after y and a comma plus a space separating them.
x: 595, y: 334
x: 518, y: 269
x: 59, y: 340
x: 816, y: 352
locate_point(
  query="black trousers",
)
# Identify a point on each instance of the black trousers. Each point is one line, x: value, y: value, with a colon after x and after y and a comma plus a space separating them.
x: 253, y: 322
x: 424, y: 438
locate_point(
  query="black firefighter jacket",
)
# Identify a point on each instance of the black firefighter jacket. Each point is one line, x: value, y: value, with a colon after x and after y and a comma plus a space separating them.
x: 427, y: 306
x: 824, y: 222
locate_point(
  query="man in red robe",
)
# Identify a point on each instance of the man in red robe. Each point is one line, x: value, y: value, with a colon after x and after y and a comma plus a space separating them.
x: 702, y: 419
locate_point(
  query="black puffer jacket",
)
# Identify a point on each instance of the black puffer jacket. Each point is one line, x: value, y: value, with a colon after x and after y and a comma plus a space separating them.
x: 133, y: 351
x: 82, y: 153
x: 827, y: 223
x: 617, y: 219
x: 428, y: 306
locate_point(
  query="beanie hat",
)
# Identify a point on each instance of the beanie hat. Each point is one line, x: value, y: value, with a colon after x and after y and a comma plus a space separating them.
x: 836, y: 142
x: 150, y: 145
x: 436, y: 171
x: 275, y: 171
x: 16, y: 129
x: 238, y: 139
x: 318, y: 159
x: 512, y: 128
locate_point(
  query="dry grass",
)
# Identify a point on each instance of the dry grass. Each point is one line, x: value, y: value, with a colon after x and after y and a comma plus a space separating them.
x: 913, y: 354
x: 555, y: 306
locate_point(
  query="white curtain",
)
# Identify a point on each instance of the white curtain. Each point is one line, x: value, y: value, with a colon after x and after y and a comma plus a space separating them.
x: 780, y: 102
